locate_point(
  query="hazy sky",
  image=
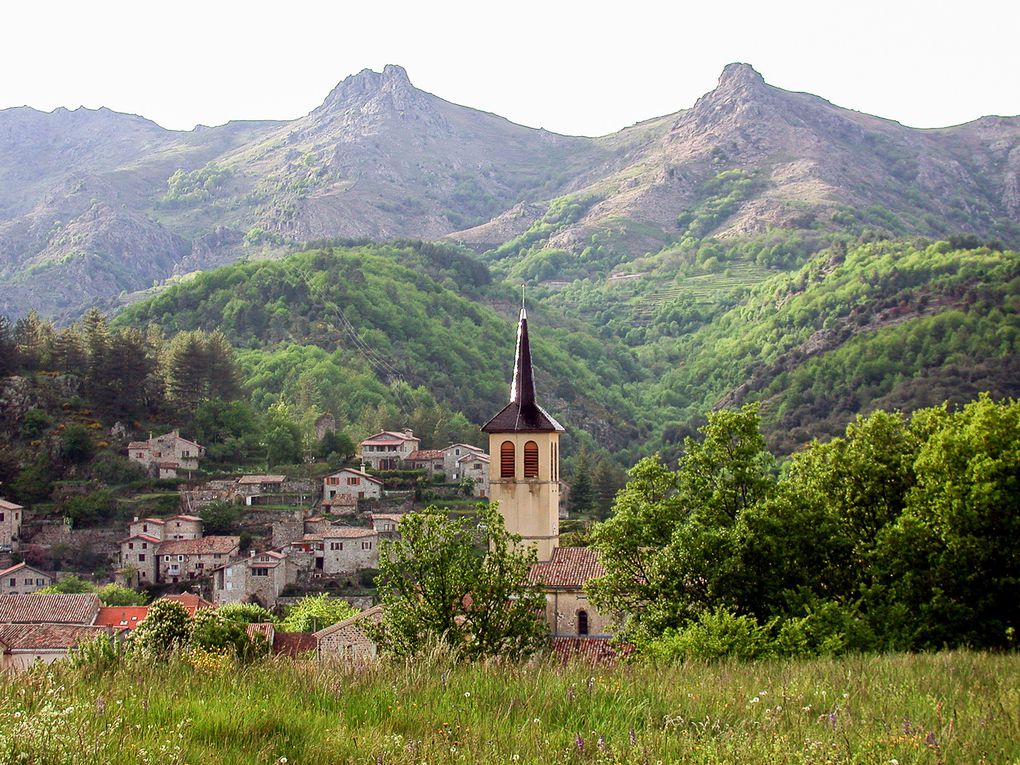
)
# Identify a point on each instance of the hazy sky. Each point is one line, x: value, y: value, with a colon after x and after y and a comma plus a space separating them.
x: 571, y: 67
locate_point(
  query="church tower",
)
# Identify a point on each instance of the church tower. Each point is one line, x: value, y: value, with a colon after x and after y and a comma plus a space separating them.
x: 524, y: 454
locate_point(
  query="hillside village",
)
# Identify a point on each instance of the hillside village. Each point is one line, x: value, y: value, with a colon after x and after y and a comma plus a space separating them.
x: 315, y: 536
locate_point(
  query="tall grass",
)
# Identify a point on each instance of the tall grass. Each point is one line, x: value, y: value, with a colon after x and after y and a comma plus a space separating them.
x: 954, y: 707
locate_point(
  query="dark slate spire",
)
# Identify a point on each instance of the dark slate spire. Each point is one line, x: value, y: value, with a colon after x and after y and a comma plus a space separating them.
x: 522, y: 414
x: 522, y: 389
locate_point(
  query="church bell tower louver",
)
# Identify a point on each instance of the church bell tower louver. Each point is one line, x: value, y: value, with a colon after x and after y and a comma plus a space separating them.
x: 524, y: 467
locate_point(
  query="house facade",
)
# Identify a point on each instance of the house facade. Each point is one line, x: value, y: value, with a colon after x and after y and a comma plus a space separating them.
x: 452, y: 456
x: 429, y: 460
x: 341, y: 549
x: 22, y: 579
x: 23, y: 645
x: 182, y: 527
x: 476, y: 468
x: 350, y: 483
x: 150, y: 527
x: 184, y: 559
x: 388, y: 450
x: 140, y: 553
x: 260, y: 577
x: 11, y: 518
x: 168, y: 453
x: 568, y: 612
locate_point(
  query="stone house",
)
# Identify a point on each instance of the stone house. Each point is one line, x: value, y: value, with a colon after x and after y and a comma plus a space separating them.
x: 351, y: 483
x: 11, y: 518
x: 22, y: 579
x: 341, y: 549
x: 150, y: 527
x: 169, y: 452
x: 429, y: 460
x: 182, y: 527
x: 386, y: 523
x: 475, y: 467
x: 452, y: 456
x: 348, y: 641
x: 184, y: 559
x: 387, y: 450
x: 140, y: 553
x: 260, y: 577
x: 568, y: 613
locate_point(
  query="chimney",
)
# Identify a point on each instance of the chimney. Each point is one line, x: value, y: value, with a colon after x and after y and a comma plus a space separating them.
x: 408, y: 432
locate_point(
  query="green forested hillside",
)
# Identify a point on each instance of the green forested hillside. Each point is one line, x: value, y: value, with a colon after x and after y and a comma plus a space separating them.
x: 384, y: 335
x: 412, y: 333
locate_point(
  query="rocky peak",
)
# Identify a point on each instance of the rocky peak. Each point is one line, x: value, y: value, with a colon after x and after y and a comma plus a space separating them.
x: 735, y: 76
x: 367, y: 85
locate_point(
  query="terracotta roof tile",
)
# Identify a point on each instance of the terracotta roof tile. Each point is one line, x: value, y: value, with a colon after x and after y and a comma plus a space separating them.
x: 293, y: 643
x: 589, y: 650
x: 200, y: 546
x: 5, y: 505
x: 190, y: 601
x: 49, y: 609
x: 425, y: 455
x: 341, y: 532
x: 22, y: 567
x: 569, y: 567
x: 143, y: 537
x: 371, y: 616
x: 357, y: 473
x: 47, y: 636
x: 121, y: 617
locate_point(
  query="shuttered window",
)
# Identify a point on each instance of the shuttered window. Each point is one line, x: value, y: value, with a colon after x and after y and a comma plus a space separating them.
x: 531, y: 460
x: 506, y: 460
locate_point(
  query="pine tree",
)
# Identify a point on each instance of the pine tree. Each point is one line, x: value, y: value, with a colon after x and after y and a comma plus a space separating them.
x: 582, y: 496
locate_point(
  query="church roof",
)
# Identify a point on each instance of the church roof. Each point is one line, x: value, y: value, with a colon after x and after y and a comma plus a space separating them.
x: 522, y: 414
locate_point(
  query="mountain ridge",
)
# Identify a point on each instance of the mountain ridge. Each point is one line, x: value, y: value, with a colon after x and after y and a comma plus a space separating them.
x: 381, y: 159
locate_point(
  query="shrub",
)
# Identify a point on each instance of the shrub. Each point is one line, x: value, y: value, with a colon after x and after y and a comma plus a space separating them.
x: 715, y: 634
x: 166, y: 629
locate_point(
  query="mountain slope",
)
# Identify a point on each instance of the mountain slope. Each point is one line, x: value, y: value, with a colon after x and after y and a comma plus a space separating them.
x: 95, y: 203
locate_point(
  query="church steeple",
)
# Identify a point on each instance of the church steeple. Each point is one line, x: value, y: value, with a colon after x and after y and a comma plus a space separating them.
x: 522, y: 414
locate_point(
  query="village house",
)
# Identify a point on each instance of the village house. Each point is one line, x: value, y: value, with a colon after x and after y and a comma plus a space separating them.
x: 22, y: 579
x: 388, y: 450
x: 350, y: 483
x: 184, y: 559
x: 150, y: 527
x: 452, y: 456
x: 258, y: 578
x: 476, y: 468
x: 182, y: 527
x: 429, y: 460
x: 167, y: 453
x: 49, y: 609
x: 348, y: 641
x: 385, y: 523
x: 341, y: 549
x: 139, y: 553
x: 11, y: 518
x: 292, y: 644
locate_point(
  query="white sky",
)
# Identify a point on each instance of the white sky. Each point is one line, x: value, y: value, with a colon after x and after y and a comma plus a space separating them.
x: 572, y: 67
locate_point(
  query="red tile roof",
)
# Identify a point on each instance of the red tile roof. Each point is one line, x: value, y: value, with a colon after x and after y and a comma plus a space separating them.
x: 425, y: 455
x: 570, y: 567
x: 589, y: 650
x: 341, y: 500
x: 200, y: 546
x: 26, y: 637
x: 357, y: 473
x: 387, y: 437
x: 143, y: 537
x: 265, y: 629
x: 138, y: 445
x: 121, y: 617
x: 184, y: 518
x: 341, y: 532
x: 190, y: 601
x: 293, y: 643
x: 370, y: 616
x: 49, y: 609
x: 5, y: 505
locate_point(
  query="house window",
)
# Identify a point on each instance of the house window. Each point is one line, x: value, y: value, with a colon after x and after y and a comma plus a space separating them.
x: 336, y: 545
x: 141, y: 557
x: 582, y: 622
x: 180, y: 557
x: 14, y: 582
x: 260, y: 572
x: 531, y: 460
x: 39, y: 582
x: 353, y: 481
x: 366, y: 545
x: 507, y: 458
x: 1, y: 516
x: 28, y: 582
x: 477, y: 466
x: 145, y: 545
x: 166, y: 558
x: 332, y: 480
x: 131, y: 545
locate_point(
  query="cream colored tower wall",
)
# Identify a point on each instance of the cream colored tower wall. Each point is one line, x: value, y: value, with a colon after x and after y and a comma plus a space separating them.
x: 529, y: 506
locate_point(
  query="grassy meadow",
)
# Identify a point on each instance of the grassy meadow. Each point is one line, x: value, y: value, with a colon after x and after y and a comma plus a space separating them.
x: 952, y: 707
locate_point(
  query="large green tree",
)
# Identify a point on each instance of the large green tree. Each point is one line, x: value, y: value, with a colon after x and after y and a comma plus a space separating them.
x: 459, y: 581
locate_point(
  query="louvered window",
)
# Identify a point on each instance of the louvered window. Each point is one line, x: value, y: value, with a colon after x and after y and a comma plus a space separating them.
x: 506, y: 460
x: 531, y: 460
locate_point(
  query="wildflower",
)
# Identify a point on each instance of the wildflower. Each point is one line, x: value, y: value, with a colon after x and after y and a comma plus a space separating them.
x: 467, y: 694
x: 930, y: 739
x: 579, y: 741
x: 633, y: 737
x: 755, y: 700
x: 601, y: 743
